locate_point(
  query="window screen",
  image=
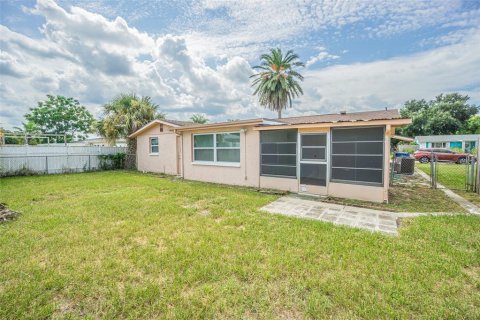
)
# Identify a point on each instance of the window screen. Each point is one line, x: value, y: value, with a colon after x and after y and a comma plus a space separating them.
x: 357, y: 155
x: 314, y: 147
x: 278, y: 153
x: 313, y: 174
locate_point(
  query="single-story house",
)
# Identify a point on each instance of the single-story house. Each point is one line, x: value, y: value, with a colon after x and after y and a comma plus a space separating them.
x: 342, y: 155
x: 466, y: 142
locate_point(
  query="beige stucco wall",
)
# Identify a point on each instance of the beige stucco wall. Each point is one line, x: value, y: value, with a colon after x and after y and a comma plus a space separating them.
x: 245, y: 174
x: 285, y: 184
x: 355, y: 191
x: 163, y: 162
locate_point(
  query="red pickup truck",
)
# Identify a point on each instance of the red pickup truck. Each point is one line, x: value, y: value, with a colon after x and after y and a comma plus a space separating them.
x: 424, y: 155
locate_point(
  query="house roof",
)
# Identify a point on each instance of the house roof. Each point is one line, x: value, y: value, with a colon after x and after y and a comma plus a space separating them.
x: 343, y: 117
x: 282, y: 122
x: 172, y: 123
x: 224, y: 124
x: 448, y: 138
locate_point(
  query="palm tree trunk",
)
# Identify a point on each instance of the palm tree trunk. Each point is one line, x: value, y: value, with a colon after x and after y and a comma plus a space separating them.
x: 279, y: 113
x: 131, y: 156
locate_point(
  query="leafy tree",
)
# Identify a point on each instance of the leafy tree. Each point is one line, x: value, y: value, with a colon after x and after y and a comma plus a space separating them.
x: 446, y: 114
x: 473, y: 125
x: 277, y: 82
x: 61, y: 115
x: 199, y: 118
x: 124, y: 115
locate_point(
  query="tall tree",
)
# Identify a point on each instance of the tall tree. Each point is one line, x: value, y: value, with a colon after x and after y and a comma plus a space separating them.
x: 473, y: 125
x: 277, y: 81
x: 124, y: 115
x: 61, y: 115
x: 446, y: 114
x: 199, y: 118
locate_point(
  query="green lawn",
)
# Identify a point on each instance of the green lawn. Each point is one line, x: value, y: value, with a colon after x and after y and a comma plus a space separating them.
x: 451, y: 175
x: 128, y: 245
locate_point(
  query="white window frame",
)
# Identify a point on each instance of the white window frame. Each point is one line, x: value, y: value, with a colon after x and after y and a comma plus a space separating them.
x: 215, y: 162
x: 150, y: 146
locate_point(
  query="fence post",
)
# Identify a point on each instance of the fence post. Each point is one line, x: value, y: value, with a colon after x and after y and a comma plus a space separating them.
x: 46, y: 164
x: 432, y: 171
x: 477, y: 184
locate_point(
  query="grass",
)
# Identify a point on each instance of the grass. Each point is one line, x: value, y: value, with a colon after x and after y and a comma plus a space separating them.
x: 451, y: 175
x: 128, y: 245
x: 470, y: 196
x: 408, y: 194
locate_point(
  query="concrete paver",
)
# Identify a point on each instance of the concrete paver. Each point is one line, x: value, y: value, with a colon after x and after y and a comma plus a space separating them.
x: 363, y: 218
x: 368, y: 219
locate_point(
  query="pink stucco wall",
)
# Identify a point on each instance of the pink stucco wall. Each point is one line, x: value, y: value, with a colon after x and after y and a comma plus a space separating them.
x: 165, y: 160
x: 247, y: 173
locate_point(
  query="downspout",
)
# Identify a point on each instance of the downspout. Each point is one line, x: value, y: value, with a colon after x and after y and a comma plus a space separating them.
x: 181, y: 152
x: 182, y: 156
x: 245, y: 152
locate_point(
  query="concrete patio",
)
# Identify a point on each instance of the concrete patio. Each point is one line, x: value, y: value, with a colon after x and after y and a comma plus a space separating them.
x: 363, y: 218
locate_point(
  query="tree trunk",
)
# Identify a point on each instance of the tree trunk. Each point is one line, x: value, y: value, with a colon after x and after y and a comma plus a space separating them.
x: 279, y: 113
x: 131, y: 156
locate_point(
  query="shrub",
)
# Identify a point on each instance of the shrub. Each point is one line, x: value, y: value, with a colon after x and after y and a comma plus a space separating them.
x: 23, y: 171
x: 112, y: 161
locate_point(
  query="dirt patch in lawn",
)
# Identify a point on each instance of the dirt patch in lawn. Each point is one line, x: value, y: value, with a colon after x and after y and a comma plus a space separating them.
x: 6, y: 214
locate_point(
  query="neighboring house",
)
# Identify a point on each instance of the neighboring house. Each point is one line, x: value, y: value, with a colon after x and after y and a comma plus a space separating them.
x: 466, y: 142
x: 341, y: 155
x: 99, y: 141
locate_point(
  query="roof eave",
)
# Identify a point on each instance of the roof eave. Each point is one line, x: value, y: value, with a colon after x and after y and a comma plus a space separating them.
x: 393, y: 122
x: 220, y: 125
x: 150, y: 124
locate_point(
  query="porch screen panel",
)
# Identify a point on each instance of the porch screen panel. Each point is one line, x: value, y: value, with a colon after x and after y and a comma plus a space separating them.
x: 278, y: 153
x: 357, y: 155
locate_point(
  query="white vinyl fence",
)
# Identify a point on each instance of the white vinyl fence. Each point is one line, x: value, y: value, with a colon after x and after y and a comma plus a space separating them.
x: 15, y: 159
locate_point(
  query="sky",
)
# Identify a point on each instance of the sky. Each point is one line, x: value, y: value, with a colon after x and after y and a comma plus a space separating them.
x: 197, y: 56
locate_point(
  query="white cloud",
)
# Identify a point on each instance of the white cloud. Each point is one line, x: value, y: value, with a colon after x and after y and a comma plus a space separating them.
x: 391, y: 82
x: 87, y: 56
x: 93, y: 59
x: 322, y: 55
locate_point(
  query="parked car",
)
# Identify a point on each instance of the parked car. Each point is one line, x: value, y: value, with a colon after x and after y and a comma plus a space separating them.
x: 424, y: 155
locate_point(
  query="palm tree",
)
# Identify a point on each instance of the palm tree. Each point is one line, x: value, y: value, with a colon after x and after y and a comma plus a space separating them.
x: 277, y: 82
x: 199, y: 118
x: 124, y: 115
x: 27, y: 129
